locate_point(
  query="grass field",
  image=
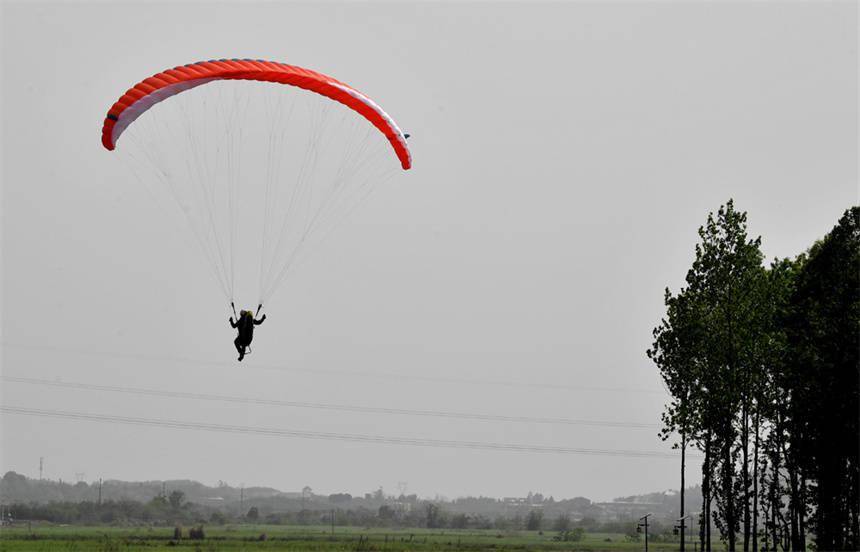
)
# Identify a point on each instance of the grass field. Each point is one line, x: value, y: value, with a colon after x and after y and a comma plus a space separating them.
x: 279, y: 537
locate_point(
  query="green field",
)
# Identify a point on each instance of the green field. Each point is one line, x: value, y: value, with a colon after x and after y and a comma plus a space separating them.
x: 279, y: 537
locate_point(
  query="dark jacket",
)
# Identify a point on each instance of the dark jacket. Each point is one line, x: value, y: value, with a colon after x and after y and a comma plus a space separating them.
x: 245, y: 325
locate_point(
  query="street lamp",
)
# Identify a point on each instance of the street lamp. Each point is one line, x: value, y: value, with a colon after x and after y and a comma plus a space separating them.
x: 680, y: 524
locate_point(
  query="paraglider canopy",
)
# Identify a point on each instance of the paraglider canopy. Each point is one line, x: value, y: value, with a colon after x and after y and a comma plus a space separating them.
x: 161, y: 86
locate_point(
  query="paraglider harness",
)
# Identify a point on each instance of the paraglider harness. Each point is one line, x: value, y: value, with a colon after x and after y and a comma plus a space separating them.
x: 248, y: 350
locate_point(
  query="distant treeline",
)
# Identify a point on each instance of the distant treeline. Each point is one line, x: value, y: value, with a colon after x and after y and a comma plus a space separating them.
x: 762, y: 364
x: 174, y: 511
x: 167, y: 504
x: 234, y: 502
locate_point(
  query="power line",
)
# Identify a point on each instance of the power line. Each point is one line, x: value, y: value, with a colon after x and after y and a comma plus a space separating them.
x: 341, y: 373
x: 328, y: 406
x: 325, y: 436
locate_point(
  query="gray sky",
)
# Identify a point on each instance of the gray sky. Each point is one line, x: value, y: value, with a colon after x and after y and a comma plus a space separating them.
x: 565, y: 154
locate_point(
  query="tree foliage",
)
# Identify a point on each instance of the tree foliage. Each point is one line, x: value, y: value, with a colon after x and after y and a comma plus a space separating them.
x: 762, y: 367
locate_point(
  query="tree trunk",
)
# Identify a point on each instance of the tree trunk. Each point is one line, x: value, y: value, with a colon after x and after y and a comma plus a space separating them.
x: 773, y: 507
x: 854, y: 505
x: 745, y: 470
x: 757, y: 428
x: 774, y: 502
x: 728, y: 491
x: 705, y: 520
x: 793, y: 507
x: 683, y: 458
x: 777, y: 462
x: 801, y: 515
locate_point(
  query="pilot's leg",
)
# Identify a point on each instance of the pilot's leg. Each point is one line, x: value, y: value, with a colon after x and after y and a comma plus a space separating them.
x: 240, y: 348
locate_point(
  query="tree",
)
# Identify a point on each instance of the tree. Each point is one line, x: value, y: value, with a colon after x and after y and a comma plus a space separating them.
x: 823, y: 333
x: 433, y: 516
x: 459, y: 521
x: 534, y: 520
x: 253, y: 514
x: 677, y: 351
x: 726, y: 278
x: 175, y: 499
x: 762, y: 365
x: 386, y: 512
x: 706, y: 349
x: 561, y: 523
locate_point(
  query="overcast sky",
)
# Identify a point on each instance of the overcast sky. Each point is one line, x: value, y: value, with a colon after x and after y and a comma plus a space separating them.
x: 564, y: 155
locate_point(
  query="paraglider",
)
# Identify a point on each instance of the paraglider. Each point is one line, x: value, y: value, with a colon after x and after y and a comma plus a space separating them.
x: 244, y: 324
x: 221, y: 135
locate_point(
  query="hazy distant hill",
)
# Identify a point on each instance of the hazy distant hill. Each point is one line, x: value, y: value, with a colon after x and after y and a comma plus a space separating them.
x: 16, y: 488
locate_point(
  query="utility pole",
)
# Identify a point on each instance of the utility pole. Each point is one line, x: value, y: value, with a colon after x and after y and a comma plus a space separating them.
x: 332, y: 523
x: 643, y: 522
x: 41, y: 460
x: 242, y: 498
x: 306, y: 494
x: 100, y: 491
x: 163, y: 489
